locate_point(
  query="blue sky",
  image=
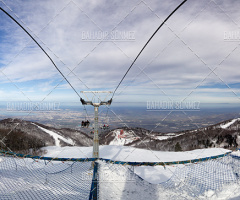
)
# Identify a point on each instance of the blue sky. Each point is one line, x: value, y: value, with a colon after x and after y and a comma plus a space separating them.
x: 189, y: 58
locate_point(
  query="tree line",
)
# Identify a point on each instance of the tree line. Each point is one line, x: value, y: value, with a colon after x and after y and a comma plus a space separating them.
x: 19, y: 141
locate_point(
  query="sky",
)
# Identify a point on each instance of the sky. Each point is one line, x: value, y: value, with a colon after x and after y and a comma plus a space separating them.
x: 193, y: 57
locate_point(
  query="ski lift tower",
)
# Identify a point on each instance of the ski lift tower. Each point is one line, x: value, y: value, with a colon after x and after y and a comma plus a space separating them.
x: 96, y: 106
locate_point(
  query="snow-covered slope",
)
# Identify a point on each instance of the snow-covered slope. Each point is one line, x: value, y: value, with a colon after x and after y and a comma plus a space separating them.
x: 57, y: 137
x: 124, y: 139
x: 222, y: 135
x: 67, y: 180
x: 226, y: 125
x: 125, y: 153
x: 130, y: 136
x: 38, y: 135
x: 154, y: 175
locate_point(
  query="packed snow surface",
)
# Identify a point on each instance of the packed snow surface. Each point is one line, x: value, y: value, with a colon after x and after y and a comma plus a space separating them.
x: 65, y: 180
x: 125, y: 153
x: 155, y: 174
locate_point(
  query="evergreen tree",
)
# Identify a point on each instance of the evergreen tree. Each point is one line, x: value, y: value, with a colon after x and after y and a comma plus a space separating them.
x: 178, y: 147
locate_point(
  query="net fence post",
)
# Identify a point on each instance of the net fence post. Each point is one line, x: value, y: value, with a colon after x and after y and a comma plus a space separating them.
x: 94, y: 187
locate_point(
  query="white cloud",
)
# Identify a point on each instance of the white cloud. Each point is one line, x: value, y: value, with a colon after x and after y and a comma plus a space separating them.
x: 181, y: 62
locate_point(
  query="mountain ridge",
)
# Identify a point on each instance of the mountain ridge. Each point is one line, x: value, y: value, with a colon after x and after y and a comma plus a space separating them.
x: 225, y: 134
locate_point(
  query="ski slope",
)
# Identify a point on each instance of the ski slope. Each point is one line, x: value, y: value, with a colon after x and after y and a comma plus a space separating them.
x: 153, y: 175
x: 56, y: 137
x: 224, y: 126
x: 126, y: 153
x: 25, y: 178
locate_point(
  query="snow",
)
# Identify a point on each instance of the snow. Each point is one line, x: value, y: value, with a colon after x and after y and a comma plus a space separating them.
x: 224, y: 126
x: 114, y: 182
x: 126, y: 138
x: 31, y: 179
x: 231, y: 192
x: 57, y: 137
x: 170, y: 135
x: 126, y: 153
x: 236, y: 153
x: 193, y: 131
x: 154, y: 175
x: 162, y: 137
x: 165, y: 136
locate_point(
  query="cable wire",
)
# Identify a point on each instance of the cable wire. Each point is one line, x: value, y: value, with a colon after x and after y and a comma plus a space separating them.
x: 146, y: 45
x: 44, y: 52
x: 128, y: 68
x: 39, y: 47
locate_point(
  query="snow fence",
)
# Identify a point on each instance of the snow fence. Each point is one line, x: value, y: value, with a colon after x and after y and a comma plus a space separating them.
x: 31, y: 177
